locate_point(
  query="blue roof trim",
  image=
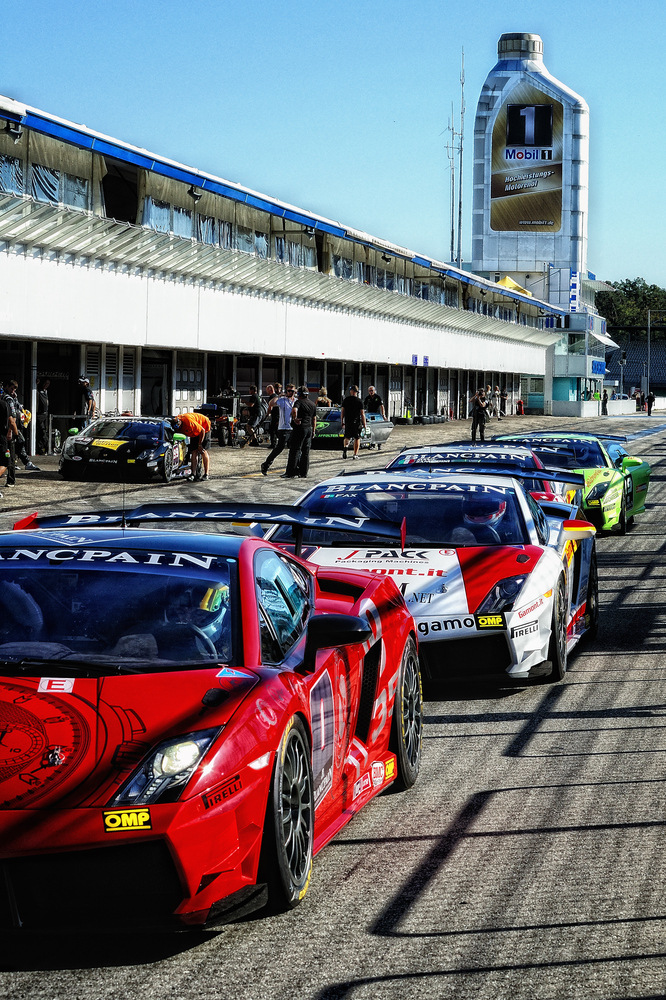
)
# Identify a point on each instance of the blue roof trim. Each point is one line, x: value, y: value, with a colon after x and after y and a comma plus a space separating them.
x: 333, y: 230
x: 264, y: 206
x: 303, y: 220
x: 86, y: 140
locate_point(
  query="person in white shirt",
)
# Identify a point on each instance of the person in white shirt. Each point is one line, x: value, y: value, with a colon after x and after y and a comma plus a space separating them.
x: 284, y: 406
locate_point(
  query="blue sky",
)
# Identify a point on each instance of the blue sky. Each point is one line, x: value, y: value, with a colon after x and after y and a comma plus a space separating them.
x: 342, y: 107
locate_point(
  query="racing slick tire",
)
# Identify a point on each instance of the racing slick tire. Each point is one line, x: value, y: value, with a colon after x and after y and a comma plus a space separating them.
x: 223, y: 437
x: 592, y: 600
x: 166, y: 472
x: 407, y: 722
x: 286, y: 852
x: 67, y: 470
x: 557, y: 648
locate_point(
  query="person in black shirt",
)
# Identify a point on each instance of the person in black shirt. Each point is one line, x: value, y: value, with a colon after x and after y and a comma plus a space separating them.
x: 271, y: 399
x: 8, y: 432
x: 274, y: 414
x: 88, y: 400
x: 353, y: 421
x: 253, y: 402
x: 373, y: 403
x: 43, y: 416
x: 479, y: 408
x: 303, y: 419
x: 4, y: 432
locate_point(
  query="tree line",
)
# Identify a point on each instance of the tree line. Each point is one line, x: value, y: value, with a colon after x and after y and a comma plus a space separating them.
x: 626, y: 308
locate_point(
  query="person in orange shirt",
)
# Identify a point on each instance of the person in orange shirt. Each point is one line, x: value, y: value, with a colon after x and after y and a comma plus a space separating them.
x: 197, y: 428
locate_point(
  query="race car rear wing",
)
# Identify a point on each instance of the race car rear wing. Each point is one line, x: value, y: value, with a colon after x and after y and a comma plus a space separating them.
x: 250, y: 513
x: 509, y: 472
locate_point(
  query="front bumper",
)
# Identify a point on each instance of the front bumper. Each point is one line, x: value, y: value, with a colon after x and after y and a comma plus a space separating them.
x: 61, y: 869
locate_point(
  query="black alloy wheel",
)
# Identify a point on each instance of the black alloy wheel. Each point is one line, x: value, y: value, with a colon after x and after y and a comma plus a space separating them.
x: 286, y: 862
x: 592, y: 600
x: 167, y: 466
x: 622, y: 523
x: 407, y: 723
x: 557, y: 648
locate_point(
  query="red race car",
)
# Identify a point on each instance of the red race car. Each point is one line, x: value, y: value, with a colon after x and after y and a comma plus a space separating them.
x: 188, y: 717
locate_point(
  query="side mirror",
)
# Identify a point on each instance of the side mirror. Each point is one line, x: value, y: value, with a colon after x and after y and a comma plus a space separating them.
x: 578, y: 531
x: 73, y: 430
x: 630, y: 462
x: 179, y: 437
x: 324, y: 631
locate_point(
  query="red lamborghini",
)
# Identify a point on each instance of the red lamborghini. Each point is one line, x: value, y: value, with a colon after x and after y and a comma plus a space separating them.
x: 188, y: 717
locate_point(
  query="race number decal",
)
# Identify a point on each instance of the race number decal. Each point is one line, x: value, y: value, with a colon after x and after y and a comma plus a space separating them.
x: 323, y: 734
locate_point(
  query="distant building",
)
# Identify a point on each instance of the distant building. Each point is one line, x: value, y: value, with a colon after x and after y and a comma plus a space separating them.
x: 163, y: 284
x: 530, y: 208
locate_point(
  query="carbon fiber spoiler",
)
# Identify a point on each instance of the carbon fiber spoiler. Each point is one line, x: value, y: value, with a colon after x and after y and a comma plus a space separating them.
x: 249, y: 513
x: 509, y: 472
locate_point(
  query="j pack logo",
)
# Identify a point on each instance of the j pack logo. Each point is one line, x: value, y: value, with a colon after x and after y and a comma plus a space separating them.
x: 119, y: 820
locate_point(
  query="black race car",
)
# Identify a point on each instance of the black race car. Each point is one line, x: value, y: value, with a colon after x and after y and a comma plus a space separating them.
x: 135, y: 447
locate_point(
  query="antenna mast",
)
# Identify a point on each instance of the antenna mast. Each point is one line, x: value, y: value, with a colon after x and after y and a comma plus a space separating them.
x: 460, y: 151
x: 451, y: 153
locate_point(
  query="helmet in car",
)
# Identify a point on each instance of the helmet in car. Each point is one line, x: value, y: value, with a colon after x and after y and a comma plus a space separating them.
x: 483, y: 509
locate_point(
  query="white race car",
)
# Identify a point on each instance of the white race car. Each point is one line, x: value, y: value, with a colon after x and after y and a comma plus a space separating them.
x: 496, y: 582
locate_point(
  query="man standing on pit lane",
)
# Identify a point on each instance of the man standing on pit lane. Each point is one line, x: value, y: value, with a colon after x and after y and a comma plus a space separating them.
x: 373, y: 403
x: 197, y: 428
x: 303, y: 420
x: 283, y: 408
x: 7, y: 428
x: 43, y: 416
x: 479, y: 408
x: 353, y: 420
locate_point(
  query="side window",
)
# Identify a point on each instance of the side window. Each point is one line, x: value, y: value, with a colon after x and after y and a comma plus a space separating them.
x: 616, y: 454
x: 283, y: 597
x: 539, y: 520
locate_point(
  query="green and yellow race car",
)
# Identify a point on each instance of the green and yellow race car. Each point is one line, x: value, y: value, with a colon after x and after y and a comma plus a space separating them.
x: 616, y: 483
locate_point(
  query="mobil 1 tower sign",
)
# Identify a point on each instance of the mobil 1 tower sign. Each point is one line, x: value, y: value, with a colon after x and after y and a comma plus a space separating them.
x: 530, y: 174
x: 526, y: 181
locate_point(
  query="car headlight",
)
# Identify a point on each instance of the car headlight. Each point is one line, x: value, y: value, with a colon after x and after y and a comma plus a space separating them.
x: 145, y: 455
x: 502, y: 595
x: 162, y: 776
x: 597, y: 491
x: 71, y: 442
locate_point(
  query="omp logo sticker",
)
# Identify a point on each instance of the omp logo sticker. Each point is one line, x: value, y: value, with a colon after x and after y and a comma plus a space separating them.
x: 389, y: 771
x: 119, y: 820
x: 490, y: 621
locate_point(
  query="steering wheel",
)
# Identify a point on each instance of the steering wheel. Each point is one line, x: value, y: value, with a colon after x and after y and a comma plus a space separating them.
x: 171, y: 640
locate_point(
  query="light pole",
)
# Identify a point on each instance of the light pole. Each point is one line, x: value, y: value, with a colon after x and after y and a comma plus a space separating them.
x: 647, y: 380
x: 659, y: 315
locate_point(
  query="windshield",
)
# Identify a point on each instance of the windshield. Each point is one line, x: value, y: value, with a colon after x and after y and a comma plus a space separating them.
x: 451, y: 514
x: 175, y: 612
x: 571, y: 454
x: 125, y: 430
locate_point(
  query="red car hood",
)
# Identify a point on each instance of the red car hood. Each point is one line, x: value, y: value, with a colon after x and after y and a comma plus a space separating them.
x: 73, y: 741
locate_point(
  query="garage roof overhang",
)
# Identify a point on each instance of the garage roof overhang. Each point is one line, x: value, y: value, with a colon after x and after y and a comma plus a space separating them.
x: 86, y: 237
